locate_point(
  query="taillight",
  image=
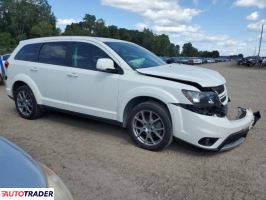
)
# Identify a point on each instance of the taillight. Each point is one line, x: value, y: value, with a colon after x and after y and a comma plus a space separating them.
x: 6, y: 64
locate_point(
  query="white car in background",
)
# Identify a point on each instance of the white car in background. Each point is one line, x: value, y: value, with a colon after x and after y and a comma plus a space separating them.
x: 210, y: 60
x: 123, y: 83
x: 195, y: 61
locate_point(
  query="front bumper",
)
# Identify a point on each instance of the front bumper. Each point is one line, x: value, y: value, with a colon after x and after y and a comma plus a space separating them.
x: 223, y: 133
x: 238, y: 138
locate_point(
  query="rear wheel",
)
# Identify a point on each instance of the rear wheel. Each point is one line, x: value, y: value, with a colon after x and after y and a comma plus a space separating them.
x: 150, y: 126
x: 26, y: 103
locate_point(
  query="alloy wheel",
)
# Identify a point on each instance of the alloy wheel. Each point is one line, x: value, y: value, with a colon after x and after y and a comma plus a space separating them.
x: 24, y: 103
x: 148, y: 127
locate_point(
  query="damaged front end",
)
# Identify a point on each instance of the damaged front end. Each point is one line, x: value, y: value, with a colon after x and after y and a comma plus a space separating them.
x: 239, y: 137
x: 205, y: 103
x: 216, y: 131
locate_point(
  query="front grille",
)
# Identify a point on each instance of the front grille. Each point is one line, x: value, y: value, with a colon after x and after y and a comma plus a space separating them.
x: 221, y: 92
x: 223, y: 99
x: 219, y: 89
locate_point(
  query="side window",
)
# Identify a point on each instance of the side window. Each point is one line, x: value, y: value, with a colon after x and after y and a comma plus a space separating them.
x: 85, y: 55
x: 29, y: 53
x: 54, y: 53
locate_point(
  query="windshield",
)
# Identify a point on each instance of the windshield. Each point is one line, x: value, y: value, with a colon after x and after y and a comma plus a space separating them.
x: 135, y: 56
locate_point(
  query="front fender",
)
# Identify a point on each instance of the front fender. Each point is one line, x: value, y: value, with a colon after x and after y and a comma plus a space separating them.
x: 26, y: 79
x: 143, y: 91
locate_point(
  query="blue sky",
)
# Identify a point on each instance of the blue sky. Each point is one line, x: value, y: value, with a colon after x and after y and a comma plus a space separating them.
x: 230, y: 26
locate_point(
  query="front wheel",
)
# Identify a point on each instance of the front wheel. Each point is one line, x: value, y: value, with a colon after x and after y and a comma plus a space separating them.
x: 150, y: 126
x: 26, y: 103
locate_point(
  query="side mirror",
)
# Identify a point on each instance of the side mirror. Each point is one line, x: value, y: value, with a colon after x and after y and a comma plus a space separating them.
x: 106, y: 64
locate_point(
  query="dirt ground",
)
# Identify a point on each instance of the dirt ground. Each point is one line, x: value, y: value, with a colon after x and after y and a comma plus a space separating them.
x: 99, y: 161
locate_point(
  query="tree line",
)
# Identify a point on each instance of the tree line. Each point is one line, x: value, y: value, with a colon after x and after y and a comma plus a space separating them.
x: 90, y: 26
x: 23, y: 19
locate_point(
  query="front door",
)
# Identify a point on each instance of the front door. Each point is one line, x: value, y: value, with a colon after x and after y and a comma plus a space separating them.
x: 91, y: 91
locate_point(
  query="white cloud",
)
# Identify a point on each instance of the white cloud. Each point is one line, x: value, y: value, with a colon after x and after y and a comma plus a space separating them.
x: 206, y: 37
x: 141, y: 26
x: 257, y: 25
x: 182, y: 28
x: 162, y: 16
x: 64, y: 22
x: 140, y: 5
x: 174, y: 16
x: 225, y: 44
x: 167, y: 16
x: 251, y: 3
x: 253, y: 16
x: 156, y: 11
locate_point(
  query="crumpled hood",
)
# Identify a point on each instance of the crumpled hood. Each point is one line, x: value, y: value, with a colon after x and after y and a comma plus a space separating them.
x: 18, y: 169
x: 204, y: 77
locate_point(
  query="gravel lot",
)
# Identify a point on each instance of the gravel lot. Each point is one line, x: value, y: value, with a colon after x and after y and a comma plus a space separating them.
x: 99, y: 161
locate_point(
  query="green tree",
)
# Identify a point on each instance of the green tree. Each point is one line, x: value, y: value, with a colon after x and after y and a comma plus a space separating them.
x: 240, y: 55
x: 177, y: 49
x: 189, y: 50
x: 124, y: 34
x: 5, y: 42
x: 89, y: 24
x: 113, y: 32
x: 27, y: 18
x: 42, y: 29
x: 215, y: 54
x: 100, y: 29
x: 159, y: 44
x: 148, y: 39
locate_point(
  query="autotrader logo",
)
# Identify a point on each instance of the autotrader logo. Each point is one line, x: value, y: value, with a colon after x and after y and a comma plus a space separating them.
x: 27, y: 193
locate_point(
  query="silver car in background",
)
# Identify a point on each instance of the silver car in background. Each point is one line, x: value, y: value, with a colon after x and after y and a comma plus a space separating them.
x: 19, y: 170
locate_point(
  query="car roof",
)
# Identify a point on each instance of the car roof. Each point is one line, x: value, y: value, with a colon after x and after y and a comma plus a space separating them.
x: 70, y: 38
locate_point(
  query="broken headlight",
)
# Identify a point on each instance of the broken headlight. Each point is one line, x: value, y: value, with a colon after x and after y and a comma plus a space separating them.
x: 201, y: 98
x: 205, y: 103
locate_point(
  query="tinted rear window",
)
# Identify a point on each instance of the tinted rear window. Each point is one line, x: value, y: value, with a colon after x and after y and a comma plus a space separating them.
x: 54, y: 53
x: 29, y: 53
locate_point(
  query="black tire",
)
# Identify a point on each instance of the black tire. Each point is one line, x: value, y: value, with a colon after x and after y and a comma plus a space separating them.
x: 159, y: 111
x: 35, y: 109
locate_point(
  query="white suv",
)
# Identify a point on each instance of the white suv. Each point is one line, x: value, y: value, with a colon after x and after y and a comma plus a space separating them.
x: 124, y: 83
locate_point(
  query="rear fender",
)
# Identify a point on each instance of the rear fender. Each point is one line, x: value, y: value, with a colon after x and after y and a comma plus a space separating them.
x: 27, y: 80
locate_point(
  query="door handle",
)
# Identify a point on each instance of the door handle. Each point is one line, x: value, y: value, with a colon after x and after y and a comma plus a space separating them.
x: 34, y: 69
x: 72, y: 75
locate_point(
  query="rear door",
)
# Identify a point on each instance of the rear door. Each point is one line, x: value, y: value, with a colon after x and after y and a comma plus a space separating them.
x: 50, y: 74
x: 46, y: 65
